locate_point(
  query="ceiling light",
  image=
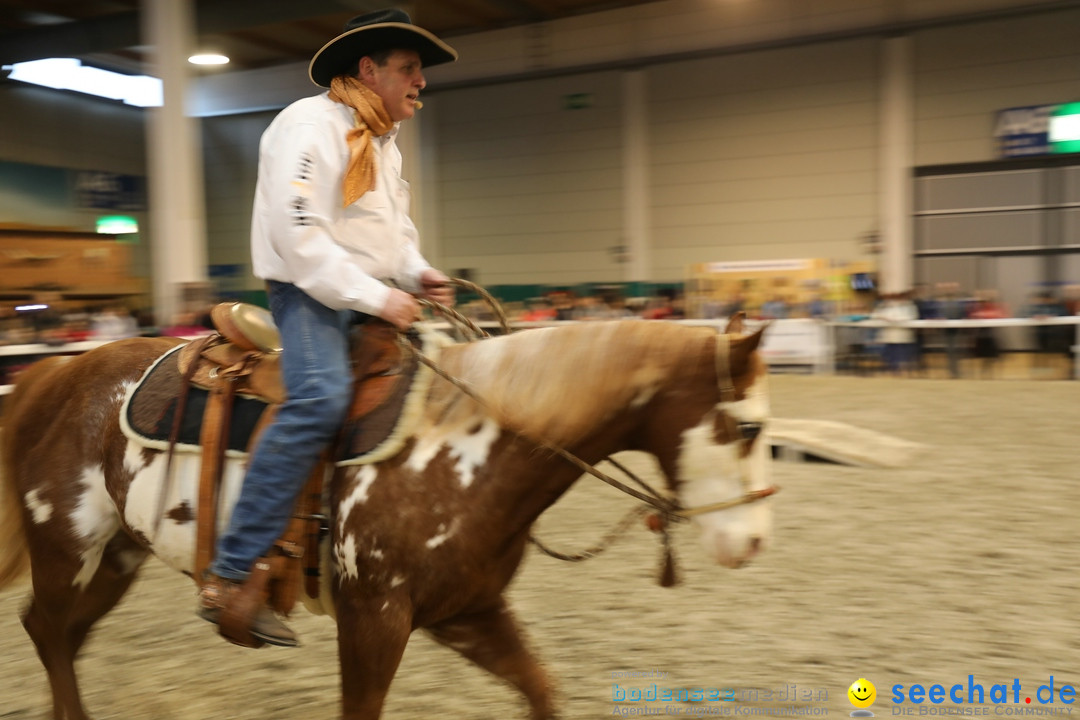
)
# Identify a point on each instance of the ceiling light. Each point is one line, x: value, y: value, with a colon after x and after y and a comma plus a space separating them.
x: 208, y: 59
x: 70, y: 74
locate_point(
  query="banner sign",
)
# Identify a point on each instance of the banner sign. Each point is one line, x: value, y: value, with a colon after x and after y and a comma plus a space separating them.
x: 742, y: 266
x: 1023, y: 131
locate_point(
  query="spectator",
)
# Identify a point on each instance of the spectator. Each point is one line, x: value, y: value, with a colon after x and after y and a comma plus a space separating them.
x: 897, y: 341
x: 986, y: 349
x: 1043, y: 305
x: 776, y: 308
x: 950, y: 306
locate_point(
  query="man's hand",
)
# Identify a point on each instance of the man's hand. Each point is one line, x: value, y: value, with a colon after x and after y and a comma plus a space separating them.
x: 401, y: 309
x: 437, y: 287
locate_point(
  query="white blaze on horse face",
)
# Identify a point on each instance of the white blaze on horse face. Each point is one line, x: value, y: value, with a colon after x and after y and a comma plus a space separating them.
x: 94, y: 520
x: 711, y: 472
x: 40, y: 509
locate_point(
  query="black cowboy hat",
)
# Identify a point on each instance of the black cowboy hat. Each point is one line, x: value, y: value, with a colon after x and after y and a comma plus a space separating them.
x: 390, y: 29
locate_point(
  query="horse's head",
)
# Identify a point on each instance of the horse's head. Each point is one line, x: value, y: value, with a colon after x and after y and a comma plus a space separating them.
x: 706, y: 431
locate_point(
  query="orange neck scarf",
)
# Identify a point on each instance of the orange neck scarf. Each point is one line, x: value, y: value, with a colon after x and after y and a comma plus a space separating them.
x: 370, y: 120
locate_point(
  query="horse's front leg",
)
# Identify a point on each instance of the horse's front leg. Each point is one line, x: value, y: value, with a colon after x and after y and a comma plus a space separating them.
x: 493, y: 640
x: 372, y: 633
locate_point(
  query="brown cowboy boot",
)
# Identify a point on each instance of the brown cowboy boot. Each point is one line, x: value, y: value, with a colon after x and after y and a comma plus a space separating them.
x: 216, y: 595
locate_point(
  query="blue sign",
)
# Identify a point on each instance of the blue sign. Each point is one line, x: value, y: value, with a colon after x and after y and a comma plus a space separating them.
x: 1024, y: 131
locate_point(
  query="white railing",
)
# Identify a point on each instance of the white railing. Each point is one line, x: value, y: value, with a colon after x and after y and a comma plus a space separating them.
x: 792, y: 342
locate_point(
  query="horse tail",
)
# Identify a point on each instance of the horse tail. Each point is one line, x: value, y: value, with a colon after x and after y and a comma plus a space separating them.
x: 14, y: 552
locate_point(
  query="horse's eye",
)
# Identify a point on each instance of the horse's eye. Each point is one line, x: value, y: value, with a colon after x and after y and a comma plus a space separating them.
x: 750, y: 430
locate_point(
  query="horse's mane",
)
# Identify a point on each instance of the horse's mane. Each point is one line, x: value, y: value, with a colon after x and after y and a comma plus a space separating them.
x: 558, y: 383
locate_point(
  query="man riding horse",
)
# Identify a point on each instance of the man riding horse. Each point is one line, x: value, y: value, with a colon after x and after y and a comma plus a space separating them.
x: 330, y: 224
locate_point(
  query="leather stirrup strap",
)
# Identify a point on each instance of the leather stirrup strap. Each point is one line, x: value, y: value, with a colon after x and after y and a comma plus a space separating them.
x: 285, y: 568
x: 261, y: 425
x: 311, y: 517
x: 214, y: 438
x: 297, y: 554
x: 174, y: 433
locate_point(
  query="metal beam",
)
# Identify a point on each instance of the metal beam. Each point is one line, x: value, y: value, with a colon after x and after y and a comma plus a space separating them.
x: 121, y: 30
x: 523, y: 9
x: 216, y: 16
x: 70, y: 39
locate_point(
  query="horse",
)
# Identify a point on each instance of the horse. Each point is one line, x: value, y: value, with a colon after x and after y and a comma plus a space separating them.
x: 425, y: 539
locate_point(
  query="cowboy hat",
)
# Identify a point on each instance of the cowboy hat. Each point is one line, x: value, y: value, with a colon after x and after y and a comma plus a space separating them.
x: 390, y: 29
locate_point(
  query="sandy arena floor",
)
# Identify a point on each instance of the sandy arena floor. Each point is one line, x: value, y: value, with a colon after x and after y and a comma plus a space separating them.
x: 963, y: 564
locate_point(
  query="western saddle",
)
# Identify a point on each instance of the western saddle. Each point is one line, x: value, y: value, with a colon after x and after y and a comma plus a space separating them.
x: 243, y: 358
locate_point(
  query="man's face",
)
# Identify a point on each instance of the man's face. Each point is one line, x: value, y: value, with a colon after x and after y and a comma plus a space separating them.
x: 398, y: 82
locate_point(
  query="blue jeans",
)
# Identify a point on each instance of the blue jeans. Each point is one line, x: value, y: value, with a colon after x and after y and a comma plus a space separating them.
x: 316, y: 370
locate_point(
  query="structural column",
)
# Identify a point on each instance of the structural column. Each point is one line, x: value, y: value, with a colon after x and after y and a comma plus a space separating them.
x: 896, y: 161
x: 177, y: 205
x: 637, y: 240
x: 419, y: 162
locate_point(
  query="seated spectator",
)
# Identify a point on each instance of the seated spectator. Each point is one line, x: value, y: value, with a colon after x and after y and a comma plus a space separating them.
x: 538, y: 310
x: 775, y: 308
x: 185, y: 324
x: 985, y: 349
x: 113, y: 323
x: 1049, y: 339
x: 667, y: 305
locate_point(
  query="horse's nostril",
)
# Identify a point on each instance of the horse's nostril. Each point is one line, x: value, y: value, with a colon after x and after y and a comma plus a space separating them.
x: 755, y: 544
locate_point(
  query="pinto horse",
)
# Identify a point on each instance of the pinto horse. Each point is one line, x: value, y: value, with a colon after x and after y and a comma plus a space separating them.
x: 428, y: 538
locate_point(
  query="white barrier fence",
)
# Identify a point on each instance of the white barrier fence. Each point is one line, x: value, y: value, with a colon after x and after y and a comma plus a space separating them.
x: 836, y: 326
x: 795, y: 342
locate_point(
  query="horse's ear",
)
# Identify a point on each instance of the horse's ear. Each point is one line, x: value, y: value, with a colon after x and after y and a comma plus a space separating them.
x: 742, y: 348
x: 754, y: 339
x: 736, y: 324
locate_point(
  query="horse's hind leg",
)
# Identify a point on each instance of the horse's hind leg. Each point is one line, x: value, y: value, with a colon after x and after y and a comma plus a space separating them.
x: 493, y: 640
x: 63, y: 610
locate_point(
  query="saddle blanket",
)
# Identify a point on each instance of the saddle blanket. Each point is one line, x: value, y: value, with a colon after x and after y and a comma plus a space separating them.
x: 150, y: 407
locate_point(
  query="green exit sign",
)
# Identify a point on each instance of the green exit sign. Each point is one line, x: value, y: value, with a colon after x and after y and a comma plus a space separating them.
x: 1064, y: 128
x: 117, y: 224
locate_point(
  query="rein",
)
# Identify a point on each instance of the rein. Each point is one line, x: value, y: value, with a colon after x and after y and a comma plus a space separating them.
x: 666, y: 509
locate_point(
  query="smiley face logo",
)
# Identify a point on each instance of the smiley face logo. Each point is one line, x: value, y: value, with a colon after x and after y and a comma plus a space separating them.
x: 862, y: 693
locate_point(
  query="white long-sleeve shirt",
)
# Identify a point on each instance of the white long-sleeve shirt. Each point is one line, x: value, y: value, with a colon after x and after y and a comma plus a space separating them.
x: 301, y: 234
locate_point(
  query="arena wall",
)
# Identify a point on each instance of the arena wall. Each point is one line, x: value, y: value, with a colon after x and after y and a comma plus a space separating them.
x: 757, y: 152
